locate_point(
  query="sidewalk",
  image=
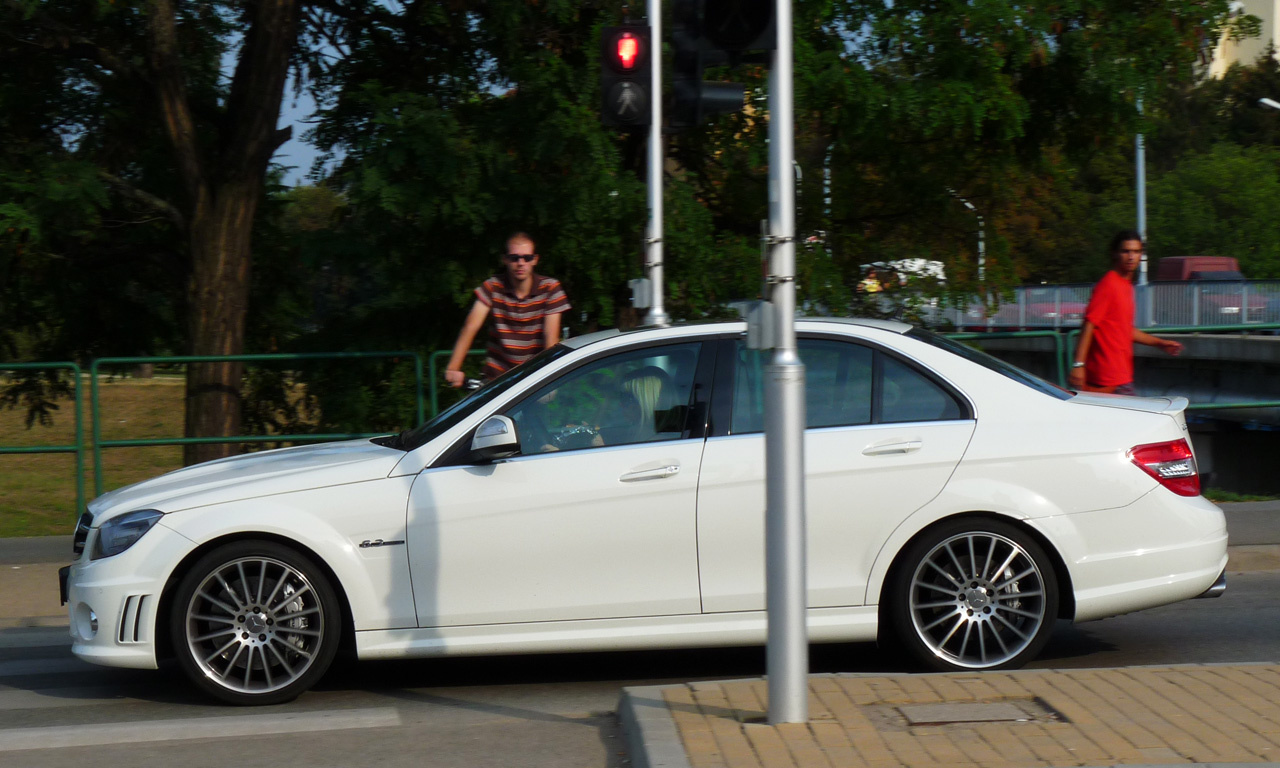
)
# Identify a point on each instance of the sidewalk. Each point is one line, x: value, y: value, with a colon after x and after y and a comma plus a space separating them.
x: 1203, y: 714
x: 1152, y: 716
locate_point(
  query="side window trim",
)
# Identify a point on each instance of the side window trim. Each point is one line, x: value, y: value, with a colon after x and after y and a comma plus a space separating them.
x: 722, y: 406
x: 456, y: 454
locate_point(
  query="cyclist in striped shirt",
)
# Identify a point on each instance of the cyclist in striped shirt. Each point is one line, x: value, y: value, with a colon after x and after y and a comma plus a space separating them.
x: 525, y: 308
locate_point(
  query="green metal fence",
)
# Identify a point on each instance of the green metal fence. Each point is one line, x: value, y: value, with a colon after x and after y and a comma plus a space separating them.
x: 441, y: 354
x: 98, y: 443
x: 1058, y: 345
x: 1063, y: 348
x: 77, y: 448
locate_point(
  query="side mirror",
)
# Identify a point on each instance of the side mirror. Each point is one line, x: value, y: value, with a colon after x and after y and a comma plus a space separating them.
x: 495, y: 438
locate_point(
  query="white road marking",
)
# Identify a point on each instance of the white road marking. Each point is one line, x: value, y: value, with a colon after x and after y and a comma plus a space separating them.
x: 93, y: 735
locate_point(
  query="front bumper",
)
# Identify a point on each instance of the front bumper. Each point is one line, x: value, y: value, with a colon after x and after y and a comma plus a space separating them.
x: 113, y: 603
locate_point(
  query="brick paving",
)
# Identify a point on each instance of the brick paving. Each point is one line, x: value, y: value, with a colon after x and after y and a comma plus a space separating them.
x: 1208, y: 714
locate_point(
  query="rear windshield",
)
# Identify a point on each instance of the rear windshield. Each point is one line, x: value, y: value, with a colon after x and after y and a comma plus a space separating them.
x: 991, y: 363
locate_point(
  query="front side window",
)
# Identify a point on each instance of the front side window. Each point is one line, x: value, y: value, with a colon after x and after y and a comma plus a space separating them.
x: 846, y: 385
x: 633, y: 397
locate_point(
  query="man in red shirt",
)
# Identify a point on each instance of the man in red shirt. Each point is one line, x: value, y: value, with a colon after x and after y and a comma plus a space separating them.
x: 1104, y: 357
x: 526, y: 310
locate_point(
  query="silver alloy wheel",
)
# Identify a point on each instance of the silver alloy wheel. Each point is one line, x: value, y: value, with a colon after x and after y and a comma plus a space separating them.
x: 977, y: 600
x: 254, y: 625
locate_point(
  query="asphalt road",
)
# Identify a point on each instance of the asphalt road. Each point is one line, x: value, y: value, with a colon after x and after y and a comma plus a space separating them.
x: 517, y: 710
x: 530, y: 711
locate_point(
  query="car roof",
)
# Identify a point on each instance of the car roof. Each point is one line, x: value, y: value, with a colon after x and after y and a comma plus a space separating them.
x: 738, y: 326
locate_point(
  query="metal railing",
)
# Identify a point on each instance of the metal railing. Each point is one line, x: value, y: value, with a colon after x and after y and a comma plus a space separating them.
x: 77, y: 448
x: 1176, y: 329
x: 98, y: 443
x: 1198, y: 304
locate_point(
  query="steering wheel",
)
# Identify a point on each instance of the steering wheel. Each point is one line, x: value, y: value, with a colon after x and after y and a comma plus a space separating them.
x: 572, y: 437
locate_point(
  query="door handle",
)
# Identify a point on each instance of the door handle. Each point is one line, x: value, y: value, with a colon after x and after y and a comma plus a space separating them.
x: 650, y: 474
x: 904, y: 446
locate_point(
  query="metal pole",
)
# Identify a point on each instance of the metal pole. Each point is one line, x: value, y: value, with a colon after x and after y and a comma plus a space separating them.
x: 982, y: 248
x: 787, y: 662
x: 1140, y: 152
x: 653, y: 239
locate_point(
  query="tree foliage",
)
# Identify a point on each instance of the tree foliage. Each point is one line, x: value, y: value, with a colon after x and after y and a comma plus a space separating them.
x: 135, y: 137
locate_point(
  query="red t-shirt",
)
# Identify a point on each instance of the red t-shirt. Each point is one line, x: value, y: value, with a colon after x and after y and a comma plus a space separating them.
x: 1110, y: 360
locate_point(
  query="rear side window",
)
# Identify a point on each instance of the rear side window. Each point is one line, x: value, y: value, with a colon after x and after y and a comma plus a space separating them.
x: 846, y: 384
x: 906, y: 395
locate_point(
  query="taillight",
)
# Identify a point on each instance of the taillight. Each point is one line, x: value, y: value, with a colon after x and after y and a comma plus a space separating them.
x: 1171, y: 464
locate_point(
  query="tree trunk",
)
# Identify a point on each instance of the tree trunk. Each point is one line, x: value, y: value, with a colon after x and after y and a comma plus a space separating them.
x: 217, y: 295
x: 223, y: 188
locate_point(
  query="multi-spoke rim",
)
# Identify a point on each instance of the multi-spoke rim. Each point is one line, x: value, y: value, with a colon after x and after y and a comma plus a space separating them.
x: 977, y: 600
x: 254, y: 625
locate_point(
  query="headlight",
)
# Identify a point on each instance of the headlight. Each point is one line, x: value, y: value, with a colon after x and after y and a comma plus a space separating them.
x: 119, y: 533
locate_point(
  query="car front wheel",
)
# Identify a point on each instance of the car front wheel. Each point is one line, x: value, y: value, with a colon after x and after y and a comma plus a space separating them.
x: 974, y: 594
x: 255, y: 622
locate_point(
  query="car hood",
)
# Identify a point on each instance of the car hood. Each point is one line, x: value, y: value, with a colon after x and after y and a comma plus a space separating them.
x: 1148, y: 404
x: 254, y: 474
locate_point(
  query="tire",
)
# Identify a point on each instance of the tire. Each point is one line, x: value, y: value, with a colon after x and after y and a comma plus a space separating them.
x: 998, y: 616
x: 255, y: 622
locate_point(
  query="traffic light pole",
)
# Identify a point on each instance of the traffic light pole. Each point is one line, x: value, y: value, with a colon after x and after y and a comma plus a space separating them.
x: 653, y: 238
x: 787, y: 655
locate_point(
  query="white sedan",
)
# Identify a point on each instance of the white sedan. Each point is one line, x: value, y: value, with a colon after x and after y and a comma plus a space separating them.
x: 609, y: 494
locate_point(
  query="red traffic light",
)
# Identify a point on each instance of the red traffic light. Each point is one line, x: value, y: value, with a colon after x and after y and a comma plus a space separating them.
x: 628, y: 49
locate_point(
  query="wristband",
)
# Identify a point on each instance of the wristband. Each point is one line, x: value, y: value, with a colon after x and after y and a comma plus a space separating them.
x: 1077, y: 364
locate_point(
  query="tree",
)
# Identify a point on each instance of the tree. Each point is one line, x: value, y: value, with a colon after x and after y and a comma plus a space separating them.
x: 221, y: 139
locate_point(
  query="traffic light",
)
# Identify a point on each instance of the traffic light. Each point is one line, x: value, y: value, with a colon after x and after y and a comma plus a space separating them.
x: 625, y: 79
x: 707, y: 33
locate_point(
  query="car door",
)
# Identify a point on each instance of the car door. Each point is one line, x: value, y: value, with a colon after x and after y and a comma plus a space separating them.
x: 596, y: 516
x: 882, y: 437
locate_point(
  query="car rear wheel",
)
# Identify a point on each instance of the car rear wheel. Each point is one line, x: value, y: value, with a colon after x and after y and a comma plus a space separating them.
x: 255, y: 622
x: 974, y: 594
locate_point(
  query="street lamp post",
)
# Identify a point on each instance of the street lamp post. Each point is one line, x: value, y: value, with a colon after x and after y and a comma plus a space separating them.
x: 982, y: 235
x: 1140, y: 171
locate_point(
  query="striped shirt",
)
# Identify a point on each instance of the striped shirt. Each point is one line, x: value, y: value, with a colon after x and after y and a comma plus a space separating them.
x: 516, y: 326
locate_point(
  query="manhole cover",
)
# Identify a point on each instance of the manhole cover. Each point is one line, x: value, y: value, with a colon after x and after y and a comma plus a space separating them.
x: 942, y: 714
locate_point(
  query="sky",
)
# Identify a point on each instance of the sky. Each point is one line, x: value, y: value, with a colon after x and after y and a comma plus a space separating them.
x: 296, y: 152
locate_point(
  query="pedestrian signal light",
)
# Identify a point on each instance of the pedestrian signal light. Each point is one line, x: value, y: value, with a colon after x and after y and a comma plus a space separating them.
x: 628, y: 50
x: 625, y: 79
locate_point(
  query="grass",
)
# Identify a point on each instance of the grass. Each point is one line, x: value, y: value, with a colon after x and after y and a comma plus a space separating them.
x: 1217, y: 495
x: 38, y: 492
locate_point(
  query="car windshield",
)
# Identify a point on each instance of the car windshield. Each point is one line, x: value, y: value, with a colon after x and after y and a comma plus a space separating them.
x: 991, y: 363
x: 446, y: 419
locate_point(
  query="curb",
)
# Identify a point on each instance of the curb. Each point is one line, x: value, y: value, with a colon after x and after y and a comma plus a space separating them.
x: 650, y: 732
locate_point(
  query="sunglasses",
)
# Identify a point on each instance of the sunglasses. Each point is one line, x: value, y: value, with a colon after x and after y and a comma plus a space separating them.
x: 512, y: 258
